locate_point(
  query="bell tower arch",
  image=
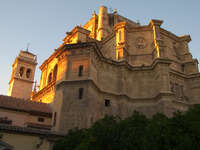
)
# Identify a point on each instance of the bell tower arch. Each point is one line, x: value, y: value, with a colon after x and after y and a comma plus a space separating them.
x: 22, y: 78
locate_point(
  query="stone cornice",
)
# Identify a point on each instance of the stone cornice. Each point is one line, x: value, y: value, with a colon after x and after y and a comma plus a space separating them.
x: 67, y: 47
x: 155, y: 22
x: 75, y: 30
x: 120, y: 25
x: 110, y: 61
x: 135, y: 100
x: 44, y: 90
x: 181, y: 103
x: 191, y: 61
x: 107, y: 60
x: 24, y: 60
x: 147, y: 100
x: 52, y: 56
x: 48, y: 59
x: 185, y: 38
x: 107, y: 38
x: 139, y: 29
x: 18, y: 78
x: 175, y: 37
x: 28, y: 62
x: 169, y: 34
x: 185, y: 76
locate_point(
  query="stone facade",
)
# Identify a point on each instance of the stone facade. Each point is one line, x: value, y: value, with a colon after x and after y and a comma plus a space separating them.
x: 114, y: 66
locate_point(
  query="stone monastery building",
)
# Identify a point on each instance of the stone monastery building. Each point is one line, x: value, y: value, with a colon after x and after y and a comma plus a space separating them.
x: 111, y: 65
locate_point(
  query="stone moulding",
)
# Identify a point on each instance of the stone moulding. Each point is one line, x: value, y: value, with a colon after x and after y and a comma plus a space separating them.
x: 145, y: 100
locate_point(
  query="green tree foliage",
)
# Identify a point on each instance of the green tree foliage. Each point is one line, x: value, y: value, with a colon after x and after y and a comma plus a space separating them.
x: 180, y: 132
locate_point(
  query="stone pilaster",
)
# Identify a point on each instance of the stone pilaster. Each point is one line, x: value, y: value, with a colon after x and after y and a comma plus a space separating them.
x: 155, y: 24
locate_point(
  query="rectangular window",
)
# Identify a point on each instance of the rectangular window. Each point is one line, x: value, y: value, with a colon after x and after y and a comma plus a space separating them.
x: 80, y: 96
x: 80, y: 71
x: 182, y: 67
x: 107, y: 102
x: 40, y: 119
x: 54, y: 118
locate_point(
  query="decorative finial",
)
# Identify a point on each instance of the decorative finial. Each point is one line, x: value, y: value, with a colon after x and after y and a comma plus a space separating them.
x: 35, y: 87
x: 94, y: 13
x: 28, y: 44
x: 138, y: 21
x: 35, y: 58
x: 115, y: 10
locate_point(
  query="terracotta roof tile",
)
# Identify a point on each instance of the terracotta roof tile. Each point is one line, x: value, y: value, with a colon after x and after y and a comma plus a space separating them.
x: 9, y: 102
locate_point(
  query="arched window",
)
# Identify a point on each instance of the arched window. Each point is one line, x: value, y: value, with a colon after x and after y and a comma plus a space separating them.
x: 50, y: 77
x: 55, y: 70
x: 28, y: 73
x: 21, y: 71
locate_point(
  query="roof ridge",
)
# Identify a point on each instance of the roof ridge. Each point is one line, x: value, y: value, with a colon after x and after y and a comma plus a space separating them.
x: 9, y: 102
x: 24, y: 100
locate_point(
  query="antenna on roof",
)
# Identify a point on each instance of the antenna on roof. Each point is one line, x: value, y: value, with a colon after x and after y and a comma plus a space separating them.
x: 28, y: 44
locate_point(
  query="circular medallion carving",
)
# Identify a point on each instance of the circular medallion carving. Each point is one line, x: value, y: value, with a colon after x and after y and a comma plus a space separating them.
x: 140, y: 43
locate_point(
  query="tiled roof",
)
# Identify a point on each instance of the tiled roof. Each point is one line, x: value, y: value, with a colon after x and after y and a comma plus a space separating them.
x: 8, y: 102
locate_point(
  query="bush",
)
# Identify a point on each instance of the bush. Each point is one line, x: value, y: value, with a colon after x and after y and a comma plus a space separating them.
x: 181, y: 132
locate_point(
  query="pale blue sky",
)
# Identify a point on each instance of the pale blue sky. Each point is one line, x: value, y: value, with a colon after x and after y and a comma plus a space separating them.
x: 43, y: 24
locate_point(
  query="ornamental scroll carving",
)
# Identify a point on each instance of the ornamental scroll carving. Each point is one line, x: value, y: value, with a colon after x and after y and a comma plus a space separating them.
x: 140, y: 43
x: 177, y: 89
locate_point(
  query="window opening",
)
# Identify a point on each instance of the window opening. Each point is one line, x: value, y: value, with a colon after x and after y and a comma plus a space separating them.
x: 41, y: 119
x: 54, y: 119
x: 80, y: 71
x: 21, y: 71
x: 107, y: 102
x: 28, y: 73
x: 5, y: 120
x: 182, y: 67
x: 80, y: 93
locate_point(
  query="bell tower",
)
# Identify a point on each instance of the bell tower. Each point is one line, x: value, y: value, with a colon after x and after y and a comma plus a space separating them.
x: 22, y: 78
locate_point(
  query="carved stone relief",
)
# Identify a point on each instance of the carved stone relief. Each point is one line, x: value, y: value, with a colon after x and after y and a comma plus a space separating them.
x: 140, y: 43
x: 177, y: 89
